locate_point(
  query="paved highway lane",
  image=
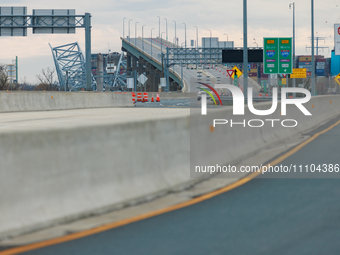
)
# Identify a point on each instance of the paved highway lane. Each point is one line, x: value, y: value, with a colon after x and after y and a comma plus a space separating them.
x: 263, y: 216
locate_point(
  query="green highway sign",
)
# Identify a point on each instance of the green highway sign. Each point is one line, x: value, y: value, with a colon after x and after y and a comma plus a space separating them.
x: 285, y: 56
x: 270, y: 55
x: 277, y: 55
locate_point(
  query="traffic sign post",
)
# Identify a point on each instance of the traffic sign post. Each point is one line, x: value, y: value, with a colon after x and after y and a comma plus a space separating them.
x: 277, y: 55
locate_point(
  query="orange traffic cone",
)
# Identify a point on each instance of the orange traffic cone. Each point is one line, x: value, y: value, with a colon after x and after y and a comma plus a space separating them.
x: 157, y: 98
x: 152, y: 100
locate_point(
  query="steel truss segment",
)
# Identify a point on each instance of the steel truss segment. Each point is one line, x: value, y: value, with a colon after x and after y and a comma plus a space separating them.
x: 70, y: 66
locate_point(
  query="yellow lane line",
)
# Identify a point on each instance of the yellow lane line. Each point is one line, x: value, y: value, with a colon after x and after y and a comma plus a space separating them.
x: 144, y: 216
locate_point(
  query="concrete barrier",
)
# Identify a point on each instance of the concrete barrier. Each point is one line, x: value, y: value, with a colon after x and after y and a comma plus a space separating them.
x: 42, y: 101
x: 54, y: 176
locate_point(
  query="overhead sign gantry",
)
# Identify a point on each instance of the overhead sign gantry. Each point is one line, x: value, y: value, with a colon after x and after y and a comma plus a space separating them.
x: 14, y: 21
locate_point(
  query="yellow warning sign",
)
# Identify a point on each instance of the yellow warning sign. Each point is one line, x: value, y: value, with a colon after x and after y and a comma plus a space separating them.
x: 337, y: 79
x: 238, y: 72
x: 299, y: 73
x: 284, y: 81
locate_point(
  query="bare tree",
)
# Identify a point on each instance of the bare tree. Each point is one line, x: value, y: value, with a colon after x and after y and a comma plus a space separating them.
x: 46, y: 78
x: 3, y: 77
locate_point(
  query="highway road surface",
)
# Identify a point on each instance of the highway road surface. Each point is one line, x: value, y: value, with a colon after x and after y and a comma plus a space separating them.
x: 263, y: 216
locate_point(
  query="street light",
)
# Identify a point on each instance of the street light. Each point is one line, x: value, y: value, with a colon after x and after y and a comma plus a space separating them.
x: 210, y: 36
x: 136, y: 32
x: 293, y: 4
x: 151, y: 41
x: 175, y: 33
x: 166, y: 28
x: 162, y: 50
x: 210, y: 42
x: 129, y: 29
x: 196, y: 36
x: 159, y: 26
x: 123, y: 26
x: 313, y: 60
x: 162, y: 42
x: 245, y: 50
x: 143, y: 38
x: 227, y: 37
x: 185, y: 29
x: 255, y: 43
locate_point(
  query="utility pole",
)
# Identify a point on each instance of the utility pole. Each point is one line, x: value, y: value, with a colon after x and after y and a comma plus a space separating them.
x: 245, y: 51
x: 317, y: 39
x: 313, y: 60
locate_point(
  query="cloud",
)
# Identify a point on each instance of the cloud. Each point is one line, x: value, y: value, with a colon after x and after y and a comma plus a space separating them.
x: 265, y: 18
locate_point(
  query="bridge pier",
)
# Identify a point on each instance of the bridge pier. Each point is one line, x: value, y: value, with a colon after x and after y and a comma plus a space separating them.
x: 134, y: 63
x: 151, y: 80
x: 141, y: 70
x: 128, y: 64
x: 100, y: 70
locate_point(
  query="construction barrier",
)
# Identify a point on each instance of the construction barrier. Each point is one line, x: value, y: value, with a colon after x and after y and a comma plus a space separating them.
x: 133, y: 97
x: 145, y: 97
x: 139, y: 97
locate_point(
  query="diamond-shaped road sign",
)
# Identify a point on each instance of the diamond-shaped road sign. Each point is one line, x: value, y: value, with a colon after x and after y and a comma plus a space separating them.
x: 142, y: 78
x: 337, y: 79
x: 237, y: 72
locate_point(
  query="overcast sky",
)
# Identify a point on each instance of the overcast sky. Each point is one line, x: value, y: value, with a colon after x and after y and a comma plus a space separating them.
x: 266, y: 18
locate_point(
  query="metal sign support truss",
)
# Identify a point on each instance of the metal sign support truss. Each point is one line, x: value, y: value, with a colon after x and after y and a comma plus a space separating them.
x: 14, y: 24
x: 190, y: 56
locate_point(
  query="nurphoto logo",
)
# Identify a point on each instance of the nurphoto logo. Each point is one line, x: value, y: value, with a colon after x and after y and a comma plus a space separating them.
x: 238, y: 105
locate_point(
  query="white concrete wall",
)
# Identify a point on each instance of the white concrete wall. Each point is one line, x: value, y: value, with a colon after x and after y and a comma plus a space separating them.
x: 55, y: 176
x: 41, y: 101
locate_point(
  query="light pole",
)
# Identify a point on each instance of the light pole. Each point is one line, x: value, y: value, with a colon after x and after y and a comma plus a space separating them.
x: 255, y: 43
x: 210, y: 44
x: 185, y: 35
x: 159, y: 26
x: 123, y: 26
x: 175, y: 33
x: 166, y: 27
x: 210, y: 36
x: 136, y: 32
x: 162, y: 50
x: 162, y: 42
x: 293, y: 4
x: 227, y: 37
x: 196, y: 37
x: 143, y: 38
x: 313, y: 60
x: 245, y: 50
x: 129, y: 29
x: 151, y: 41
